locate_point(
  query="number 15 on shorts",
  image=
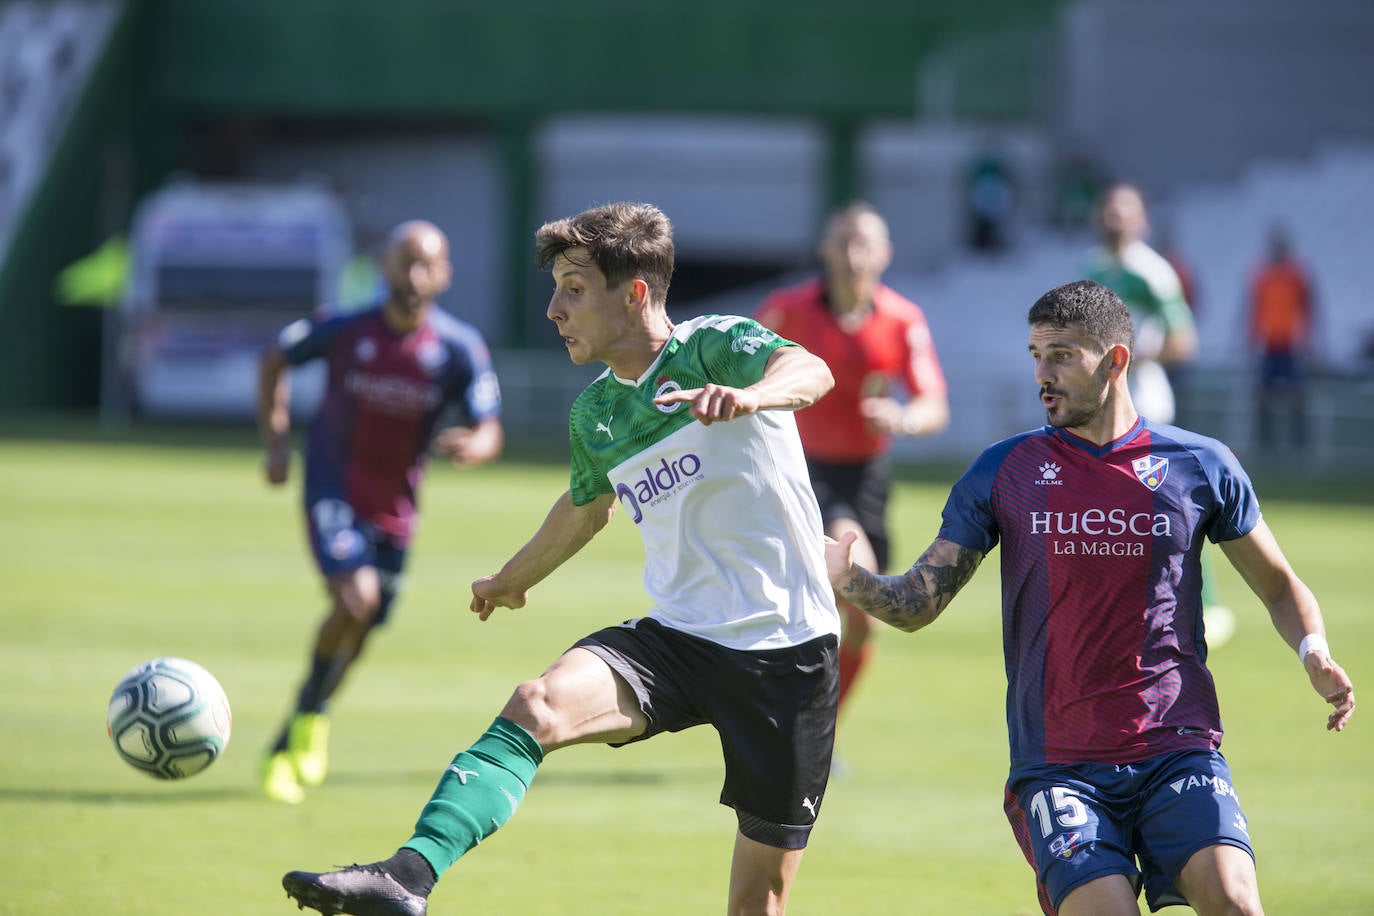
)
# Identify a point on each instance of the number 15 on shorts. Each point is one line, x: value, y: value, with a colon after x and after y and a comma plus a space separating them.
x: 1057, y: 808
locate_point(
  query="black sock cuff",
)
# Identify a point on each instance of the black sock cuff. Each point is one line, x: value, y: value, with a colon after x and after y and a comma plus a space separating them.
x: 412, y: 871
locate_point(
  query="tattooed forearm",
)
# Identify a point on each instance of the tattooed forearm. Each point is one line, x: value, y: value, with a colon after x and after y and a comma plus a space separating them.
x: 915, y: 598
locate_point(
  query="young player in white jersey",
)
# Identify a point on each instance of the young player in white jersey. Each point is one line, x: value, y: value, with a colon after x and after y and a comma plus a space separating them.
x: 689, y: 431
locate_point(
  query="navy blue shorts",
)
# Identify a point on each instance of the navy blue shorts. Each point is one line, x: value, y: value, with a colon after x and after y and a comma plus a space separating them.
x: 342, y: 542
x: 773, y: 709
x: 1079, y: 822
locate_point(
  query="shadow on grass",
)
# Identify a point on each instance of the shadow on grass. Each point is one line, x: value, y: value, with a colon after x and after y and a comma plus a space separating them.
x: 547, y: 777
x: 172, y: 794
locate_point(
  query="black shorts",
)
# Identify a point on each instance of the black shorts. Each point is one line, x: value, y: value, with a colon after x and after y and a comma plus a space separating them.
x: 858, y: 492
x: 774, y: 711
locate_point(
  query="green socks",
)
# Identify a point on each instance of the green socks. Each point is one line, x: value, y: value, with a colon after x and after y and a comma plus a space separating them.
x: 478, y: 793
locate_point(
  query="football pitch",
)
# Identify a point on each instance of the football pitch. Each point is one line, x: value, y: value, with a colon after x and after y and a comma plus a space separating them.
x: 115, y: 552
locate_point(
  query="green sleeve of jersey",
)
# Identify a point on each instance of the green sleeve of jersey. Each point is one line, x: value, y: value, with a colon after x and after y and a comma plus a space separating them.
x: 1174, y: 312
x: 735, y: 350
x: 586, y: 480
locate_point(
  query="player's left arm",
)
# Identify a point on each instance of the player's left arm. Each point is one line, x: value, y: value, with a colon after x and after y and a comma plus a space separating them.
x: 1180, y: 331
x: 792, y: 379
x: 470, y: 445
x: 921, y: 415
x: 566, y: 529
x: 926, y: 411
x: 1180, y: 344
x: 908, y: 601
x: 1295, y: 613
x: 483, y: 437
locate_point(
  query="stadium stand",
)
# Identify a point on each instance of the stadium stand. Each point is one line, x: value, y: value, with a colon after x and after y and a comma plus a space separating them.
x: 1324, y: 201
x: 46, y: 52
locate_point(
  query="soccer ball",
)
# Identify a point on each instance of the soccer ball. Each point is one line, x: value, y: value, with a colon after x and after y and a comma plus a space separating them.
x: 169, y: 718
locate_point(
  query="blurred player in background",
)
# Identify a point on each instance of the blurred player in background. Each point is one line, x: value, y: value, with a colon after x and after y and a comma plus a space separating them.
x: 1281, y: 314
x: 876, y: 343
x: 1165, y: 334
x: 690, y: 430
x: 1116, y: 775
x: 395, y: 373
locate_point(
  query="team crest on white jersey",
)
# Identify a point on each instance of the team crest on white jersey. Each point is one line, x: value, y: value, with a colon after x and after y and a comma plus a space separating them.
x: 665, y: 385
x: 1151, y: 471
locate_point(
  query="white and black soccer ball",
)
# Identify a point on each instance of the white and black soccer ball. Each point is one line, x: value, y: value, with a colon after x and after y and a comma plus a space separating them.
x: 169, y: 717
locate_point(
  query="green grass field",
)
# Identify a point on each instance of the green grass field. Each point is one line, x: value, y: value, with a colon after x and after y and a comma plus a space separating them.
x: 114, y: 553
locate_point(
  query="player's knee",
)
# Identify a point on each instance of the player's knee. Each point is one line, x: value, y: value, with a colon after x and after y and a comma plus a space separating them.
x: 358, y: 608
x: 1229, y: 907
x: 1227, y: 891
x: 761, y: 901
x: 531, y: 707
x: 1236, y: 898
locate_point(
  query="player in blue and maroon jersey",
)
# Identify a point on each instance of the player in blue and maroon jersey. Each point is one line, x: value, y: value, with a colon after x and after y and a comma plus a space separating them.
x: 1116, y: 778
x: 394, y: 374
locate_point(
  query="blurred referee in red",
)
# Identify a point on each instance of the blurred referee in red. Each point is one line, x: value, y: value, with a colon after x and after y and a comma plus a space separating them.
x: 878, y: 347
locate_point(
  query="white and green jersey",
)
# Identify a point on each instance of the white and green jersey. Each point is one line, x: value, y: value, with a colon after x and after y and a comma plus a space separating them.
x: 1149, y: 287
x: 732, y: 534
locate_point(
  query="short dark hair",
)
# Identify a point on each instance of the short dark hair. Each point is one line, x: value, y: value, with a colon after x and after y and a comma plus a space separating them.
x: 1090, y: 305
x: 623, y: 240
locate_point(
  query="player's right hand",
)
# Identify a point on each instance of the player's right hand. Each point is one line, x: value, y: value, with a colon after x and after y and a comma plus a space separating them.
x: 713, y: 403
x: 839, y: 560
x: 885, y: 416
x: 488, y: 594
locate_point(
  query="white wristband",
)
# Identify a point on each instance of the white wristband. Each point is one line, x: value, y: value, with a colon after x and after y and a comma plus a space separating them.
x: 1312, y: 642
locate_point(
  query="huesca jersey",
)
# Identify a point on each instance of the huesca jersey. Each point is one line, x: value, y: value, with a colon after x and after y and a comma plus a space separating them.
x: 1101, y: 585
x: 732, y: 534
x: 384, y: 396
x: 893, y: 344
